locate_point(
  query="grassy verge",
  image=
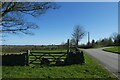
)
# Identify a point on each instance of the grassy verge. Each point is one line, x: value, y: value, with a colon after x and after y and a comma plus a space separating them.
x: 115, y: 49
x: 91, y: 69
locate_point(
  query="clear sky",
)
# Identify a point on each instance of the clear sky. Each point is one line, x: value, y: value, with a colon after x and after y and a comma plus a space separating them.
x: 56, y: 26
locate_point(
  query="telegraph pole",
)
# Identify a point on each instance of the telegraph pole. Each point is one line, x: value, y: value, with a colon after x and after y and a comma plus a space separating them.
x: 88, y: 38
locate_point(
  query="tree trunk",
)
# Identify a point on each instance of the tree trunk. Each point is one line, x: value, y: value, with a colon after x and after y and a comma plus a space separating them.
x: 77, y: 43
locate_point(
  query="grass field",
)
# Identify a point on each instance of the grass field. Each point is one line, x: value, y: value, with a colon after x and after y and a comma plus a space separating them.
x: 91, y: 69
x: 23, y: 48
x: 115, y: 49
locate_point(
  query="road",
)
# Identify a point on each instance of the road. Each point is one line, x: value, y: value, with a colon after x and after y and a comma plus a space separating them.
x: 108, y: 59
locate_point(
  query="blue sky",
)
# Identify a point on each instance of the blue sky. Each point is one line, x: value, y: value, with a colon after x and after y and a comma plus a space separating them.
x: 56, y: 26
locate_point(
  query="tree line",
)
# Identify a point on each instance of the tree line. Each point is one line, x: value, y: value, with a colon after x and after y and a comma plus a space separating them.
x: 113, y: 40
x: 79, y: 33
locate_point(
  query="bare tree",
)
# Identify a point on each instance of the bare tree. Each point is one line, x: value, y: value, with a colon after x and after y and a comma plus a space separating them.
x: 12, y: 15
x: 72, y: 41
x: 114, y: 36
x: 78, y: 34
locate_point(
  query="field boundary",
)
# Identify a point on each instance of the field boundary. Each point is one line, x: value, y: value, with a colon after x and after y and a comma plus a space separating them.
x: 46, y: 55
x: 15, y: 59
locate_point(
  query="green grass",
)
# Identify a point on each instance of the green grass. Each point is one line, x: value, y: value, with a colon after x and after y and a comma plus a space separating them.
x: 115, y: 49
x: 18, y: 49
x: 57, y: 50
x: 91, y: 69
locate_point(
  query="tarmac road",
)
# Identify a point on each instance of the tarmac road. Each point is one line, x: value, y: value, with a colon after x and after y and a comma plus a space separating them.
x: 111, y: 61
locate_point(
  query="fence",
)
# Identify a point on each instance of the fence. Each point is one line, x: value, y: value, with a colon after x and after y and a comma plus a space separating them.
x: 30, y: 57
x: 39, y: 57
x: 47, y: 57
x: 15, y: 59
x: 59, y: 58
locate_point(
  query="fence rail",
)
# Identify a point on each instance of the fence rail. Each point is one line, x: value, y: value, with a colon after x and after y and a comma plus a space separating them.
x: 51, y: 56
x: 48, y: 56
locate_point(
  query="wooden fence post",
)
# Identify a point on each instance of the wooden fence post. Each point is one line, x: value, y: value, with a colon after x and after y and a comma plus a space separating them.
x: 68, y: 46
x: 27, y: 57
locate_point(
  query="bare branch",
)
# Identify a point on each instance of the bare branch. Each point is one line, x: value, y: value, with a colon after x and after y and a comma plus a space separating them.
x: 13, y: 15
x: 77, y: 35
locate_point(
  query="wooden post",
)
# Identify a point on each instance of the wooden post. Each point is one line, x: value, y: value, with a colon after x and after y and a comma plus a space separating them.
x: 68, y: 46
x: 27, y: 57
x: 88, y: 38
x: 28, y: 51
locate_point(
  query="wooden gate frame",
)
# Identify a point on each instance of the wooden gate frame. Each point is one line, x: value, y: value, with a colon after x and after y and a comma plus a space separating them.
x: 48, y: 53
